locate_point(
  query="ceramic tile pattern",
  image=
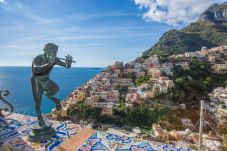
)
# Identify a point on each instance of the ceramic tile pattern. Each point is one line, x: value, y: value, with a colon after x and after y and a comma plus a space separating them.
x: 101, y: 141
x: 15, y: 129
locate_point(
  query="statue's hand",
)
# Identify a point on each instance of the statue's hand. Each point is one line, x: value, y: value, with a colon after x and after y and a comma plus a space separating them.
x: 68, y: 61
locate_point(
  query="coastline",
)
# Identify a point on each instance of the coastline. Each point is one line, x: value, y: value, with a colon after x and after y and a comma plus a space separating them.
x: 17, y: 81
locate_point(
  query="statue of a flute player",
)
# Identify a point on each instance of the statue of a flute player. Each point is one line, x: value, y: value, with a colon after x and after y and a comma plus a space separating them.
x: 41, y: 84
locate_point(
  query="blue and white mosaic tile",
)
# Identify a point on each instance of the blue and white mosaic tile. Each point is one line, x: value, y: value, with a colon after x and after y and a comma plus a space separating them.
x: 101, y: 141
x: 14, y: 131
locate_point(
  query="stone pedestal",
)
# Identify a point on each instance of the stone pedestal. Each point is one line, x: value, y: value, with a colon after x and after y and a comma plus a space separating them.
x: 39, y: 133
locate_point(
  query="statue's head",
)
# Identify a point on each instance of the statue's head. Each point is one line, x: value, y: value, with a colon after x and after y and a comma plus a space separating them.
x: 50, y: 51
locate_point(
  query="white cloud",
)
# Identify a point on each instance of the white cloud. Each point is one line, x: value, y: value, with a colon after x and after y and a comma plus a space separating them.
x: 173, y: 12
x: 3, y: 1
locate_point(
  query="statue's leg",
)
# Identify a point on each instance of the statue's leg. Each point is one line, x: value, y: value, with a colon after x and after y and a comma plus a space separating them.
x: 37, y: 91
x: 51, y: 89
x: 56, y: 101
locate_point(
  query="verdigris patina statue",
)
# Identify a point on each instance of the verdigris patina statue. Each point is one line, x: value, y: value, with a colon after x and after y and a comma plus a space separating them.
x: 41, y: 84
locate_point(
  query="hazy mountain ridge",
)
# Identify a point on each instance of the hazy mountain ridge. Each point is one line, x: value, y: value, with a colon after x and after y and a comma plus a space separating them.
x: 209, y: 30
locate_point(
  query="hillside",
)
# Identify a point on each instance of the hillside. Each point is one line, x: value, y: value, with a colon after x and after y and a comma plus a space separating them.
x: 209, y: 30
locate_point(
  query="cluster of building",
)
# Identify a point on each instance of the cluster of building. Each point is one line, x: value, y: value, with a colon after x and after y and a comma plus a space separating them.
x: 215, y: 56
x: 186, y: 138
x: 118, y: 83
x: 217, y: 106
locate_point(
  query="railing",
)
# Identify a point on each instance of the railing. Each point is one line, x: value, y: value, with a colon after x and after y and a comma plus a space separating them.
x: 6, y: 108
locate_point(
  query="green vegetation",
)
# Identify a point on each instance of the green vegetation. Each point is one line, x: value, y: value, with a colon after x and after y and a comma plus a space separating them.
x: 59, y: 117
x: 215, y: 33
x: 172, y: 120
x: 139, y: 115
x: 142, y: 80
x: 204, y: 32
x: 84, y: 111
x: 174, y: 42
x: 194, y: 84
x: 223, y: 148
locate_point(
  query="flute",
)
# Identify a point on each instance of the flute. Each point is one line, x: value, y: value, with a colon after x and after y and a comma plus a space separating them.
x: 66, y: 59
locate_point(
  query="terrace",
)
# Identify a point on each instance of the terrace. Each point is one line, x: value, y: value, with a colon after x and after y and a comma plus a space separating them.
x: 71, y: 137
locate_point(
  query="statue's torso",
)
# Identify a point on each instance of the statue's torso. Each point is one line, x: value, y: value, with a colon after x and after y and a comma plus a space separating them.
x: 38, y: 61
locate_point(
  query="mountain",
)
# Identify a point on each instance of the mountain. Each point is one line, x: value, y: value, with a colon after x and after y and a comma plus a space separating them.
x: 209, y: 30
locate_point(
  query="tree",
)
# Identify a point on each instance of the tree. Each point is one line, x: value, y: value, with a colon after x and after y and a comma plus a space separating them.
x: 139, y: 115
x: 142, y: 80
x: 84, y: 111
x: 180, y: 80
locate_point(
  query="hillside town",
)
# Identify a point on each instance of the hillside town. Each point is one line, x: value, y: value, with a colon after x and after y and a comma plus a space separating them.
x: 141, y: 81
x: 117, y: 83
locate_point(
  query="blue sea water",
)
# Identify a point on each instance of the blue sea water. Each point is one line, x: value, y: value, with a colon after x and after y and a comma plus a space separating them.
x: 17, y: 81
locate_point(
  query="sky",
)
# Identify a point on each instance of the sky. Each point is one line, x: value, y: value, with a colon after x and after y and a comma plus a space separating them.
x: 94, y: 32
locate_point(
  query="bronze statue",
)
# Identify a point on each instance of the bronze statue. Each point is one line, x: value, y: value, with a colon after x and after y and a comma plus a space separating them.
x: 41, y: 84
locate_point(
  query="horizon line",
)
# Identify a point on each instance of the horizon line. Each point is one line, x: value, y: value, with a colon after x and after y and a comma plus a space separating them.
x: 55, y: 67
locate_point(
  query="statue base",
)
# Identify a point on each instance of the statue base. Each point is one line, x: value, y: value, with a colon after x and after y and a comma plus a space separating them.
x: 39, y: 133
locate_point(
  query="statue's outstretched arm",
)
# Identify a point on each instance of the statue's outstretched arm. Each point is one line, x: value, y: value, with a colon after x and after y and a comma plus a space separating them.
x: 60, y: 63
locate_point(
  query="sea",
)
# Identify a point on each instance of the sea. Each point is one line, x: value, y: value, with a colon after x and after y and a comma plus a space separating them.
x: 17, y: 81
